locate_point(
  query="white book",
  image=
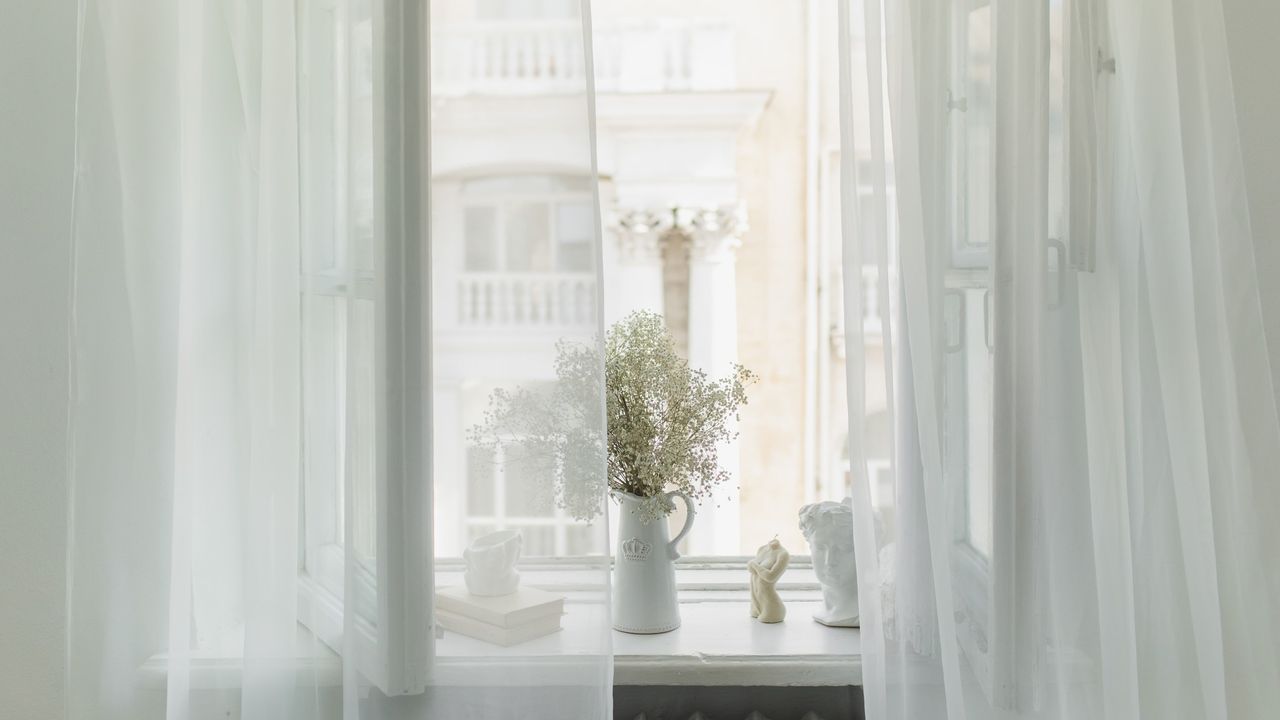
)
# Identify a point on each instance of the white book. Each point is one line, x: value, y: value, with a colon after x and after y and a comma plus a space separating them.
x: 497, y: 635
x: 524, y: 605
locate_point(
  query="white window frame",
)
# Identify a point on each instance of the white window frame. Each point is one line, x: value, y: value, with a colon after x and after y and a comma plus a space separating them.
x: 392, y: 619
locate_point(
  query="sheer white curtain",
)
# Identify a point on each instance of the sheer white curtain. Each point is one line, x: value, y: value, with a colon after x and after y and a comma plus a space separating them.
x: 311, y: 241
x: 1085, y: 427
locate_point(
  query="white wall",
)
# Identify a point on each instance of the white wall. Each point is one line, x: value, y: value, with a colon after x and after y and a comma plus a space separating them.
x: 37, y: 64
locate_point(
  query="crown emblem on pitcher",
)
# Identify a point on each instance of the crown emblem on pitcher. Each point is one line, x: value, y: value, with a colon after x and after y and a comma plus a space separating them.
x: 636, y: 549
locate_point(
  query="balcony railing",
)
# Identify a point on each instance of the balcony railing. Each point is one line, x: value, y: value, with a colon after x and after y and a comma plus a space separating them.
x: 505, y: 58
x: 526, y: 300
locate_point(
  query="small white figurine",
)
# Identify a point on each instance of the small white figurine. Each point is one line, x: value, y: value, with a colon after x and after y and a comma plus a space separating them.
x: 828, y: 526
x: 491, y: 563
x: 769, y: 564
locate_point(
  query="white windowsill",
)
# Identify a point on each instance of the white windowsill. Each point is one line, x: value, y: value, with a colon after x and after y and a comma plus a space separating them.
x: 718, y: 643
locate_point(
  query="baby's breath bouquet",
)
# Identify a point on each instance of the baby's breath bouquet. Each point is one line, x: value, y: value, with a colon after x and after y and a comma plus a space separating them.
x: 665, y: 421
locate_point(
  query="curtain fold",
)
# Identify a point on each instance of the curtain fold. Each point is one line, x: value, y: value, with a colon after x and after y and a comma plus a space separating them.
x: 276, y: 385
x: 1086, y: 420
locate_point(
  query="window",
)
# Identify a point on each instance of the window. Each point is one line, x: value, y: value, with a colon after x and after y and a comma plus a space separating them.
x: 500, y: 498
x: 526, y: 9
x: 991, y: 557
x: 528, y: 224
x: 359, y: 322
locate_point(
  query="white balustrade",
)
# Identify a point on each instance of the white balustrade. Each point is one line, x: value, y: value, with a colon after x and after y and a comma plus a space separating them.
x: 526, y: 299
x: 503, y: 57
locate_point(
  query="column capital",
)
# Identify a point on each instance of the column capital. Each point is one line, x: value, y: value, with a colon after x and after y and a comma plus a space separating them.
x: 716, y: 233
x: 639, y: 234
x: 713, y: 232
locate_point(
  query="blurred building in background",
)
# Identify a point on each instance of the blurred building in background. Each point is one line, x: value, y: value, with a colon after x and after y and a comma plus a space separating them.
x: 719, y: 189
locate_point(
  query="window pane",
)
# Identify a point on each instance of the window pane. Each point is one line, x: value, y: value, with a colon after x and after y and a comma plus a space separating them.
x: 475, y: 532
x: 323, y: 378
x: 481, y: 232
x: 363, y: 415
x: 480, y: 479
x: 528, y: 489
x: 538, y: 540
x: 513, y: 9
x: 575, y: 225
x: 582, y: 540
x: 967, y: 399
x: 527, y: 185
x: 360, y: 148
x: 528, y: 244
x: 978, y: 129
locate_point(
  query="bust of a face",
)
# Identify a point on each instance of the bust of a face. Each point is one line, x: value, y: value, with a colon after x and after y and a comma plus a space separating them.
x: 828, y: 527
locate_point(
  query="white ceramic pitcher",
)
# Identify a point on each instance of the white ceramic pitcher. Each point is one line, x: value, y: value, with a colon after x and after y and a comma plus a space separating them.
x: 644, y: 572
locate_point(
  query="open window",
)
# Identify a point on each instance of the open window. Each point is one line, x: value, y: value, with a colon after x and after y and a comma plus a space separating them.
x: 364, y: 568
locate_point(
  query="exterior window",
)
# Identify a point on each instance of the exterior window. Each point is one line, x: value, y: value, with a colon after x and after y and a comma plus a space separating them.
x: 528, y: 224
x: 500, y: 496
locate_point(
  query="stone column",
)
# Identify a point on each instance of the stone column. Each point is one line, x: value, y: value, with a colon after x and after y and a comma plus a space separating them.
x: 715, y: 235
x: 635, y: 259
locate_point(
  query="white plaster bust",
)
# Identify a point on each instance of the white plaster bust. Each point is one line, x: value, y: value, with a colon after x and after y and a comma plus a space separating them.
x: 491, y: 563
x: 828, y: 527
x: 769, y: 564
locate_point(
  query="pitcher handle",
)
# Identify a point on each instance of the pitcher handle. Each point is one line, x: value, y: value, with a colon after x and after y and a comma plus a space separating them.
x: 688, y: 523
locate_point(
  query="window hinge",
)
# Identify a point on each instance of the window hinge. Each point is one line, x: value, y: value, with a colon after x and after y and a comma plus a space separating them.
x: 954, y: 103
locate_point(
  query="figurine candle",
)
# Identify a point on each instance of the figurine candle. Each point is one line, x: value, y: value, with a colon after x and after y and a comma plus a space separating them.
x: 769, y: 564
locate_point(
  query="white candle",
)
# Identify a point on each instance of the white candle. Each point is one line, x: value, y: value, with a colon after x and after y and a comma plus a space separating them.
x: 769, y: 564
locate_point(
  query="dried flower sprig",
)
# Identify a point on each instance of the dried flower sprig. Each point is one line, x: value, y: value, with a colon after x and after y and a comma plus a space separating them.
x: 666, y: 422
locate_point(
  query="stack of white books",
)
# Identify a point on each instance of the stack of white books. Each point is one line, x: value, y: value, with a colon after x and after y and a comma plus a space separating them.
x: 504, y: 620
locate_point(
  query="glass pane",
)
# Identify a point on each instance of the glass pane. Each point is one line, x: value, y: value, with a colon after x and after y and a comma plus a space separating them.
x: 575, y: 226
x: 479, y: 531
x: 541, y: 9
x: 480, y: 482
x: 972, y: 450
x: 363, y: 415
x: 1057, y: 141
x: 539, y: 540
x: 481, y: 238
x: 323, y: 421
x: 360, y: 149
x: 528, y: 488
x: 509, y: 185
x: 978, y: 122
x: 528, y: 242
x: 582, y: 540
